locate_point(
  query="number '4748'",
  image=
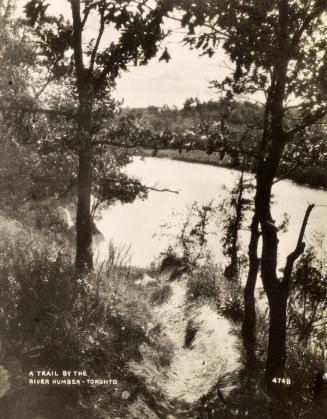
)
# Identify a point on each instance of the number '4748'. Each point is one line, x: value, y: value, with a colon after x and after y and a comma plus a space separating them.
x: 278, y: 380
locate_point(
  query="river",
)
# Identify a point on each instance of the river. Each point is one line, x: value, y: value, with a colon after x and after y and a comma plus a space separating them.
x: 139, y: 225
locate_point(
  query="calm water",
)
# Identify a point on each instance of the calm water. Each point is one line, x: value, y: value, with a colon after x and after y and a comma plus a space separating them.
x: 139, y: 224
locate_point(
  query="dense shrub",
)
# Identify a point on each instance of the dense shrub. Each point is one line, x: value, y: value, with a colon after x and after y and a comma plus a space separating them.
x: 208, y: 283
x: 204, y: 283
x: 51, y: 319
x: 231, y: 300
x: 164, y: 351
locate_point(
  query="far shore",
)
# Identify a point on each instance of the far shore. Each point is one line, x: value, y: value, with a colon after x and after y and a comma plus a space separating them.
x: 314, y: 177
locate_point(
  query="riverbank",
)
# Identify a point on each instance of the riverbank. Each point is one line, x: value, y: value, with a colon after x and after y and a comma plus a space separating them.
x: 116, y: 326
x: 311, y: 176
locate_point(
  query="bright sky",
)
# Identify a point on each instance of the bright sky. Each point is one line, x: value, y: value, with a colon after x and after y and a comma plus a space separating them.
x: 160, y: 83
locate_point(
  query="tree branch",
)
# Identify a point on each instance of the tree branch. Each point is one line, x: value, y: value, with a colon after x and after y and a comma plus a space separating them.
x: 36, y: 110
x: 205, y: 24
x: 97, y: 43
x: 299, y: 249
x: 306, y: 122
x: 319, y: 9
x: 151, y: 188
x: 78, y: 42
x: 285, y: 175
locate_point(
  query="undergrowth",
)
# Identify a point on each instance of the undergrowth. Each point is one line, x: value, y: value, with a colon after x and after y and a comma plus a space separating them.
x: 52, y: 319
x: 207, y: 283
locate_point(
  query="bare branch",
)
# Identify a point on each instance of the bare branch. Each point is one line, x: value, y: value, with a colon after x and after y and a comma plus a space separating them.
x: 152, y: 188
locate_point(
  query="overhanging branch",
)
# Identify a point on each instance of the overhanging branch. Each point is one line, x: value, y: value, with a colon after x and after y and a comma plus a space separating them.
x: 37, y: 110
x: 307, y: 121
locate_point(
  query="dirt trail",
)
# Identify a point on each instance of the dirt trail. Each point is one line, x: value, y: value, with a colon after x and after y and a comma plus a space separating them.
x: 212, y: 353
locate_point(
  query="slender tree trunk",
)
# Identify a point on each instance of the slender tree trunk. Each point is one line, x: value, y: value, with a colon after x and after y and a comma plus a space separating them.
x: 232, y: 270
x: 84, y: 254
x: 278, y: 296
x: 249, y: 316
x: 267, y: 170
x: 84, y: 257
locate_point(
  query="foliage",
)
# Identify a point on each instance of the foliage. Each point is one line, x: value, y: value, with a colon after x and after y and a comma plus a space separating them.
x: 276, y: 48
x: 307, y: 305
x: 231, y: 300
x: 209, y: 284
x: 52, y: 320
x: 194, y: 112
x: 302, y: 367
x: 204, y: 283
x: 234, y: 210
x: 76, y: 77
x: 164, y: 351
x: 191, y: 242
x: 161, y: 294
x: 248, y: 34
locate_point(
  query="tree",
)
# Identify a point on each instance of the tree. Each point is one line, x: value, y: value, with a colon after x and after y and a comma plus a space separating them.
x: 38, y: 160
x: 88, y: 70
x: 235, y: 207
x: 278, y: 48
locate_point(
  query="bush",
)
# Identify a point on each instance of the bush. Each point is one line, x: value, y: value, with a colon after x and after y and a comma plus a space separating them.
x: 204, y: 283
x: 161, y: 294
x: 54, y: 320
x: 302, y: 367
x: 231, y: 300
x: 164, y: 350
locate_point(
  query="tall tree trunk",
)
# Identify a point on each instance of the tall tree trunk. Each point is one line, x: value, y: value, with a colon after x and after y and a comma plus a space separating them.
x: 278, y: 292
x: 267, y: 170
x: 84, y: 253
x: 276, y: 356
x: 84, y: 256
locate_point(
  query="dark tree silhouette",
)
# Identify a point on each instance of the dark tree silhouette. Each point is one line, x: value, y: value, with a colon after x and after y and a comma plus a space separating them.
x: 92, y: 67
x: 278, y: 48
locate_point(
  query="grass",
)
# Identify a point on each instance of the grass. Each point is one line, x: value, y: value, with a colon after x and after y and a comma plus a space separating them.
x: 161, y: 294
x: 204, y: 284
x: 55, y: 320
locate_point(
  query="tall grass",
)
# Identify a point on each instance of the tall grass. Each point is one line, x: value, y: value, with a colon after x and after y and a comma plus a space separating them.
x: 53, y: 319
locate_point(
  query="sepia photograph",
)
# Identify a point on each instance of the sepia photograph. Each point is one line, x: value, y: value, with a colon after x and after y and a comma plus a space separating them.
x: 163, y: 210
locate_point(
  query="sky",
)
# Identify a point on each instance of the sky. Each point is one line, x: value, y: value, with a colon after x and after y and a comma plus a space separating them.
x: 186, y: 75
